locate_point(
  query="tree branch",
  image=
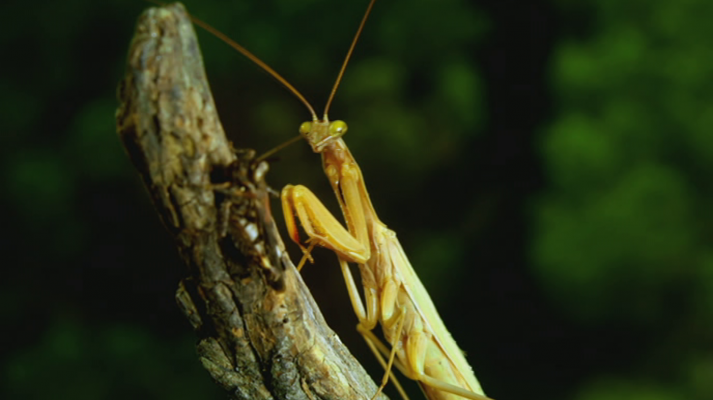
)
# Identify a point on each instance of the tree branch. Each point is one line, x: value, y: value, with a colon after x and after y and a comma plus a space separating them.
x: 261, y: 336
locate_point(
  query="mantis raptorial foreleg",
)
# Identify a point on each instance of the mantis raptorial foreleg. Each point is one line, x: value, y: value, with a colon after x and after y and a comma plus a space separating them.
x: 323, y: 229
x: 386, y: 301
x: 320, y: 225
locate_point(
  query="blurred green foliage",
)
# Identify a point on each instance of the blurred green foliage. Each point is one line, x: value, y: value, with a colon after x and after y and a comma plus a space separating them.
x: 622, y: 234
x: 74, y: 361
x: 614, y: 301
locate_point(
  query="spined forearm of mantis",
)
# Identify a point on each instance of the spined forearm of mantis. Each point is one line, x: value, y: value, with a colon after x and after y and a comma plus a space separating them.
x: 418, y: 343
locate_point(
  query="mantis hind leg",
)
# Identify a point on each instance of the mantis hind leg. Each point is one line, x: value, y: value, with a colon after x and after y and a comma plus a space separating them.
x: 367, y: 321
x: 447, y: 387
x: 380, y: 350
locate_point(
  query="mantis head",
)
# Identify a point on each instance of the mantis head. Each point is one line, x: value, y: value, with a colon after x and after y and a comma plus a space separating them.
x: 321, y: 133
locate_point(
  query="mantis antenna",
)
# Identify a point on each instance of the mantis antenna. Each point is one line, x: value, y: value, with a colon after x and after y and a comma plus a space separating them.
x: 242, y: 50
x: 257, y: 61
x: 346, y: 59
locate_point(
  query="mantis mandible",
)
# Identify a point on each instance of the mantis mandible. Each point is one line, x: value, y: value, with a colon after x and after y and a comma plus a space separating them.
x: 420, y: 345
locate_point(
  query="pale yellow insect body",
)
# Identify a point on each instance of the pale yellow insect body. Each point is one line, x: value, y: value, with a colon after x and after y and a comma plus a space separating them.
x: 394, y: 296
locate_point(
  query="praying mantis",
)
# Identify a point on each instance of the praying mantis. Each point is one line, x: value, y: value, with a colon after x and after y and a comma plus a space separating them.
x: 419, y: 345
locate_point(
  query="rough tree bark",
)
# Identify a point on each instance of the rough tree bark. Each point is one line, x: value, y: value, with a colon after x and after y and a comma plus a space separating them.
x: 261, y: 336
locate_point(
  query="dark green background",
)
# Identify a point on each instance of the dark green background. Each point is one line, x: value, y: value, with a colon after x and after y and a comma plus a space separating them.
x: 547, y: 166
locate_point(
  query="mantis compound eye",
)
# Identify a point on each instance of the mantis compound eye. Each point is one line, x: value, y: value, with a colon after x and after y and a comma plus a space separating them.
x: 337, y: 128
x: 305, y: 128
